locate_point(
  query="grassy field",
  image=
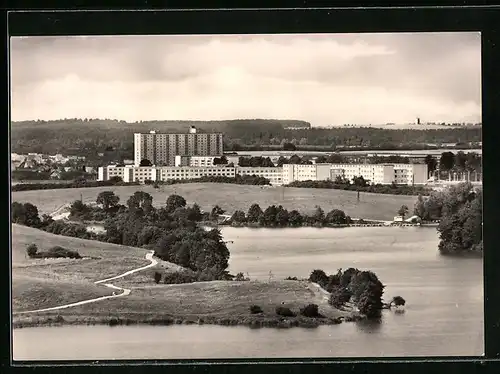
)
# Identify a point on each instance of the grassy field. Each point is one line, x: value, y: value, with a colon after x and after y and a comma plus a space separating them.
x: 43, y: 283
x: 231, y: 197
x: 205, y: 302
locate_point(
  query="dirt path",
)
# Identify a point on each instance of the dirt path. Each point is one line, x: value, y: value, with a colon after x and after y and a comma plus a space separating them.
x: 125, y: 291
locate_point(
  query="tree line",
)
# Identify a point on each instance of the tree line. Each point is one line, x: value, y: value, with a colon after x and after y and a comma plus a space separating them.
x: 277, y: 216
x: 171, y: 230
x: 361, y: 185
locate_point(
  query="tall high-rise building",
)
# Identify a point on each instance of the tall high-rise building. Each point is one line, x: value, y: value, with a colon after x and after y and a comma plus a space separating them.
x: 161, y: 149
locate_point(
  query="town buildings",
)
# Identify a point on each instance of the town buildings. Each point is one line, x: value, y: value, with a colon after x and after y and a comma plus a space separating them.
x: 161, y: 149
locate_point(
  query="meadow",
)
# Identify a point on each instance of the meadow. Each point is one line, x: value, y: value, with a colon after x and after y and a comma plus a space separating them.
x: 231, y: 197
x: 44, y: 283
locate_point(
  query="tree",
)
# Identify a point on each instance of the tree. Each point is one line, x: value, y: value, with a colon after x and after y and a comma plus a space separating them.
x: 220, y: 160
x: 268, y: 218
x: 140, y: 202
x: 25, y: 214
x: 319, y: 215
x: 359, y: 181
x: 419, y: 209
x: 460, y: 161
x: 18, y: 213
x: 403, y: 211
x: 289, y: 147
x: 216, y: 212
x: 173, y: 202
x: 336, y: 216
x: 318, y: 276
x: 238, y: 216
x: 107, y: 199
x: 321, y: 160
x: 397, y: 301
x: 431, y: 163
x: 282, y: 216
x: 460, y: 229
x: 295, y: 160
x: 145, y: 162
x: 194, y: 213
x: 157, y: 277
x: 254, y: 213
x: 32, y: 250
x: 447, y: 161
x: 295, y: 218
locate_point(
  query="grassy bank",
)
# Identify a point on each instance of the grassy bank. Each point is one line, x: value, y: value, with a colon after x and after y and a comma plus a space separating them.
x: 45, y: 283
x: 40, y: 283
x: 219, y: 302
x: 231, y: 197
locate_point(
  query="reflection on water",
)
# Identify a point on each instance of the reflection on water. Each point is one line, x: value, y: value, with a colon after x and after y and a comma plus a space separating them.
x: 443, y: 315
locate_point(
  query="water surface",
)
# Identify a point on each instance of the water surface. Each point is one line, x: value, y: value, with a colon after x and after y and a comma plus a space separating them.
x: 443, y: 315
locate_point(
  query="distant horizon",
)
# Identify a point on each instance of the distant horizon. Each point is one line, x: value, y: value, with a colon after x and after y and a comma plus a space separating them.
x: 331, y: 79
x: 245, y: 119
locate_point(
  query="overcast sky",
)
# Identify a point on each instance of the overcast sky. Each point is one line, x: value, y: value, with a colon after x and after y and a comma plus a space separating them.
x: 327, y: 79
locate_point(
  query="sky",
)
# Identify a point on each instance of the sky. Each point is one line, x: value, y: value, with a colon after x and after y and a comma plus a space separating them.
x: 325, y: 79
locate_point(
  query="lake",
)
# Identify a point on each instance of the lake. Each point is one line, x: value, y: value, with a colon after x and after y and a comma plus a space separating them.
x: 443, y: 315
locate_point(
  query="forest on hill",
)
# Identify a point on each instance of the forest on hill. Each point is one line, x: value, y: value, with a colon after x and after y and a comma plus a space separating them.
x: 88, y: 137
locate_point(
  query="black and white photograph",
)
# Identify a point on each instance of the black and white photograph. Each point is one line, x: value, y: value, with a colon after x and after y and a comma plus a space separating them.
x: 246, y: 196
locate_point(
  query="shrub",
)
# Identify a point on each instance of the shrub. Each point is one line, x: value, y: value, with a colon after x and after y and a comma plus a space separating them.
x: 180, y: 277
x: 255, y: 309
x: 339, y: 296
x: 32, y: 250
x: 319, y: 276
x: 310, y: 310
x: 57, y: 252
x: 157, y: 277
x: 240, y: 277
x: 398, y: 301
x: 291, y: 278
x: 284, y: 312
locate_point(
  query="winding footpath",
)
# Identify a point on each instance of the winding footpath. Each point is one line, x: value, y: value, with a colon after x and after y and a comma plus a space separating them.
x: 125, y: 292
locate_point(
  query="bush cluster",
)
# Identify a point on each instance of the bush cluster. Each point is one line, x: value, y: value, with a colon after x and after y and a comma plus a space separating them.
x: 54, y: 252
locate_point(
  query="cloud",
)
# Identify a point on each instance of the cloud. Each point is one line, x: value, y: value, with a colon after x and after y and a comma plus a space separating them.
x: 325, y: 79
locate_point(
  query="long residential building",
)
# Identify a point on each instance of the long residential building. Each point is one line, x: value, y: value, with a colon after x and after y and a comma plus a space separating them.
x: 301, y: 173
x: 161, y: 149
x: 408, y: 174
x: 274, y: 174
x: 162, y: 173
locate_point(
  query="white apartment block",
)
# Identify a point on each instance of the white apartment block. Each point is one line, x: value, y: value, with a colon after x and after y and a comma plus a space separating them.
x: 195, y: 161
x: 161, y: 149
x: 373, y: 173
x: 162, y: 173
x: 301, y: 173
x: 274, y: 174
x: 408, y: 174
